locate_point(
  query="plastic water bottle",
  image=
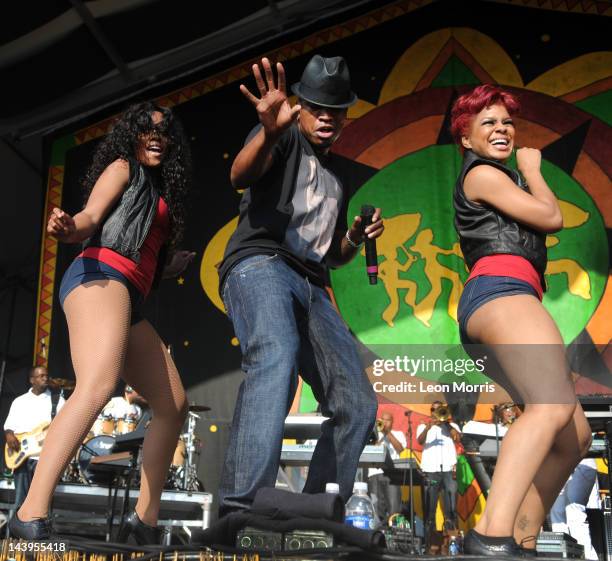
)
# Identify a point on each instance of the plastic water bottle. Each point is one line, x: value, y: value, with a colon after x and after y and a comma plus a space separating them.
x: 332, y: 488
x: 359, y: 508
x: 453, y: 546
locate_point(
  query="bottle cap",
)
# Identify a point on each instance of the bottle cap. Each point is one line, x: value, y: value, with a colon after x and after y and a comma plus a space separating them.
x: 360, y: 486
x: 333, y: 488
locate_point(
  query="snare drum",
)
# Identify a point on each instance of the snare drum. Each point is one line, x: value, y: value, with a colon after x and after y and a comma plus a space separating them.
x: 104, y: 424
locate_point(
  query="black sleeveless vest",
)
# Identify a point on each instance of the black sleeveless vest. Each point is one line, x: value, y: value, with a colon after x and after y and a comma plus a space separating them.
x: 484, y: 230
x: 127, y: 225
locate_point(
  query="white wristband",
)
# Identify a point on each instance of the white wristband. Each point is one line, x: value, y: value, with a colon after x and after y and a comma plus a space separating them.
x: 351, y: 242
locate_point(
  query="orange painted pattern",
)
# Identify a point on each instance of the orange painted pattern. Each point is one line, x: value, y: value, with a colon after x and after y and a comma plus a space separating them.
x: 600, y: 326
x: 577, y: 6
x: 596, y: 183
x: 453, y: 47
x: 48, y: 257
x: 592, y: 89
x: 533, y: 135
x: 401, y: 142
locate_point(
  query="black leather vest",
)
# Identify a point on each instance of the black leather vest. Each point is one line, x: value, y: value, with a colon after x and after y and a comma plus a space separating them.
x: 126, y: 227
x: 484, y: 230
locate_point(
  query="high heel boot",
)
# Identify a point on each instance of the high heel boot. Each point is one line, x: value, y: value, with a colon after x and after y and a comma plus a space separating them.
x: 32, y: 530
x: 485, y: 546
x: 143, y: 533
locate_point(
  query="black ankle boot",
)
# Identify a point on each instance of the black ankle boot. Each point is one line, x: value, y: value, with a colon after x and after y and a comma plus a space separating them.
x: 477, y: 544
x: 143, y: 533
x: 33, y: 530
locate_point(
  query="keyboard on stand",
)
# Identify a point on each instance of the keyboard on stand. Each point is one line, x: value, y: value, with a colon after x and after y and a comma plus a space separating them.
x: 301, y: 454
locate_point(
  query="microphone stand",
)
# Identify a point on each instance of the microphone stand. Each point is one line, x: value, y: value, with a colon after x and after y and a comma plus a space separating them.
x: 410, y: 480
x: 496, y: 420
x: 608, y: 441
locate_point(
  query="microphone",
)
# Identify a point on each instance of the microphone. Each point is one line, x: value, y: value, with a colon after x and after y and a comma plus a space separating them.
x: 367, y: 212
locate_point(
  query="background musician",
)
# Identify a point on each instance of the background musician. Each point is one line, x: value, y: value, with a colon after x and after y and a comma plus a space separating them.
x: 125, y: 411
x: 125, y: 406
x: 35, y: 407
x: 438, y: 462
x: 506, y: 413
x: 388, y: 497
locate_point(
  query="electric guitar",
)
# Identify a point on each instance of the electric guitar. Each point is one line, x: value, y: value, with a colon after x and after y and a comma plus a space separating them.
x: 31, y: 445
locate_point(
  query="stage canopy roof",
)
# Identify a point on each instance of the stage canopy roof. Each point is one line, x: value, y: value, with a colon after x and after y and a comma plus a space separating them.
x: 61, y: 60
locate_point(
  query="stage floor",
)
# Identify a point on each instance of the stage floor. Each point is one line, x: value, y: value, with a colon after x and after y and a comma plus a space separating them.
x: 100, y: 551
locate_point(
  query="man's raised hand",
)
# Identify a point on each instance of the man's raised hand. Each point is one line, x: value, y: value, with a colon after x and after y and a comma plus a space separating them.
x: 273, y: 108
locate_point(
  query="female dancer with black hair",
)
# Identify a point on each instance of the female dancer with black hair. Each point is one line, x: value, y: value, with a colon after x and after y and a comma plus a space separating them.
x: 134, y: 208
x: 502, y: 225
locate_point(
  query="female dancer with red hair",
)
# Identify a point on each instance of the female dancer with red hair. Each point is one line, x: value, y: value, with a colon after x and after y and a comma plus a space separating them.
x: 502, y: 218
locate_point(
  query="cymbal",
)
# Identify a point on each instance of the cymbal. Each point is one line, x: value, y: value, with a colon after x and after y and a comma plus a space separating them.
x: 62, y: 383
x: 199, y: 408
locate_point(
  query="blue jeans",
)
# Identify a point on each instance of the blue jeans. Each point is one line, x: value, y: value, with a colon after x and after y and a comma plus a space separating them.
x: 434, y: 483
x: 286, y: 325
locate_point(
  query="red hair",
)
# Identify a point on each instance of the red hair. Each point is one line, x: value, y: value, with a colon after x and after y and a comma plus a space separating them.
x: 472, y: 103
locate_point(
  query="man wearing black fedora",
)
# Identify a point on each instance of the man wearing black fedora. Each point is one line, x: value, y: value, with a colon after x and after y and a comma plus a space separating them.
x: 292, y: 226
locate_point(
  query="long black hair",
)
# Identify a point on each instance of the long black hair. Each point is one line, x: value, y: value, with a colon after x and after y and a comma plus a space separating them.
x: 175, y: 174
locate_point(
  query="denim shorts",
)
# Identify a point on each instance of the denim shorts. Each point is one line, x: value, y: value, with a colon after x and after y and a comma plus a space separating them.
x: 483, y: 289
x: 85, y: 269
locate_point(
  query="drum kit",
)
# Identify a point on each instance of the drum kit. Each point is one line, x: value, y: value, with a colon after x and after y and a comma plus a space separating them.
x: 182, y: 475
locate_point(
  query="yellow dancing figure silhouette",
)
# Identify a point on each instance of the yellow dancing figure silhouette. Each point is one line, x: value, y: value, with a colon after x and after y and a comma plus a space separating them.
x: 398, y: 230
x: 578, y: 281
x: 435, y: 272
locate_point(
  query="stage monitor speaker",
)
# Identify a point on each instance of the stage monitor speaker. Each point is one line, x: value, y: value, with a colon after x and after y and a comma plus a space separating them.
x: 558, y: 544
x: 260, y: 540
x: 306, y: 539
x: 263, y: 540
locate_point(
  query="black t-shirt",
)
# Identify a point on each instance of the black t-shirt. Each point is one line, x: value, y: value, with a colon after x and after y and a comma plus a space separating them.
x: 293, y: 210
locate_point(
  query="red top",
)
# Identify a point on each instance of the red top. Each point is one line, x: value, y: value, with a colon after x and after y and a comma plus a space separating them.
x: 505, y: 265
x: 139, y: 274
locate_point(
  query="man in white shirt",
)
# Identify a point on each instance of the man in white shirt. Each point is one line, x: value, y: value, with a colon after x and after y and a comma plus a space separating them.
x: 438, y: 462
x: 387, y: 497
x: 28, y: 411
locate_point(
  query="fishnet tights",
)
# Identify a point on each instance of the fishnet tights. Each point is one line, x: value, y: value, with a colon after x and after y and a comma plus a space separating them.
x: 101, y: 343
x: 149, y: 369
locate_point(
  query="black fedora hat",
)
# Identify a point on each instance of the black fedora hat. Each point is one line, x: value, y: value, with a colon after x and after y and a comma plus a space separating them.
x: 326, y: 82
